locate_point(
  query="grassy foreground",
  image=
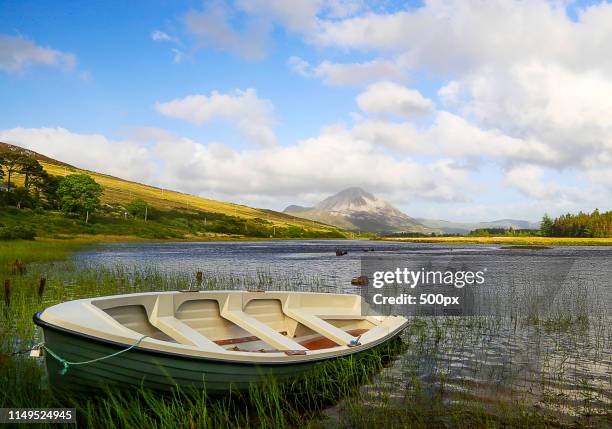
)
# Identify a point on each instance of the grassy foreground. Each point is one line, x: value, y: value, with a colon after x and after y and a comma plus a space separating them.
x: 519, y: 240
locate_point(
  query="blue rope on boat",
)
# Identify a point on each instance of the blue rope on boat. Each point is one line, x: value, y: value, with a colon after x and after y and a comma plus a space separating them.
x: 67, y: 364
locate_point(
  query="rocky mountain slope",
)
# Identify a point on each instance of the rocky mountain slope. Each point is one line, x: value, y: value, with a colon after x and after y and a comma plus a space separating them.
x: 357, y: 210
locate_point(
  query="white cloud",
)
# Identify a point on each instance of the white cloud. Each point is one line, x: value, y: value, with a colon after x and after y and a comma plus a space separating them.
x: 215, y: 26
x: 351, y: 74
x: 178, y: 56
x: 295, y: 15
x: 450, y: 135
x: 454, y: 136
x: 449, y: 35
x: 212, y: 29
x: 122, y: 158
x: 358, y: 73
x: 449, y: 93
x: 253, y: 115
x: 387, y: 98
x: 343, y: 8
x: 161, y: 36
x: 300, y: 66
x: 312, y: 166
x: 528, y: 180
x: 403, y: 137
x: 569, y: 111
x: 304, y: 171
x: 17, y: 53
x: 306, y: 168
x: 602, y: 176
x: 539, y: 91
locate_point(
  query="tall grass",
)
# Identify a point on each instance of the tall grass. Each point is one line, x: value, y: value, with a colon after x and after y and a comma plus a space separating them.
x: 35, y: 251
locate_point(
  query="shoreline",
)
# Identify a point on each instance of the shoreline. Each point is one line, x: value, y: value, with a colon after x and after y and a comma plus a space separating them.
x: 530, y: 241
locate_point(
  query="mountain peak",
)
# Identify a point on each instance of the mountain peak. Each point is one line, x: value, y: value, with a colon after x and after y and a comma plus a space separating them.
x: 356, y: 209
x: 354, y: 192
x: 349, y: 199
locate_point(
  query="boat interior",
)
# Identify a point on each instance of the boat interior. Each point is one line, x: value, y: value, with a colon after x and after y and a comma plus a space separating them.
x: 266, y: 322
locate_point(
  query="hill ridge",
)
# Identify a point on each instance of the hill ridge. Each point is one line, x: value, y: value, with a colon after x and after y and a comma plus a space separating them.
x: 118, y: 191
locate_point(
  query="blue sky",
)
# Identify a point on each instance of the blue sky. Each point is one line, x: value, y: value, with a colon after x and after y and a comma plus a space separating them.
x: 460, y: 110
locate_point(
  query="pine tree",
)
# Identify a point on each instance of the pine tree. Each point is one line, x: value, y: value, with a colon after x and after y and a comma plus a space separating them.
x: 547, y: 225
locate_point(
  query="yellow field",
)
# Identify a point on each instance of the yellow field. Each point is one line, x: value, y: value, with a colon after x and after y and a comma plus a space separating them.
x: 122, y: 191
x: 539, y: 241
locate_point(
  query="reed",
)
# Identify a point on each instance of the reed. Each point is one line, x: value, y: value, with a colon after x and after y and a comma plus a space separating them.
x: 16, y: 255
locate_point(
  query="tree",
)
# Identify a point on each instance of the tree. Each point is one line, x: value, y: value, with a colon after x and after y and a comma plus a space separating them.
x: 48, y: 187
x: 546, y: 226
x: 79, y: 193
x: 12, y: 162
x: 37, y: 183
x: 31, y: 169
x: 138, y: 207
x: 20, y: 197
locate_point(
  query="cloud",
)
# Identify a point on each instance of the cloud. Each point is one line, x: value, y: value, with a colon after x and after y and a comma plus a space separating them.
x: 454, y: 136
x: 243, y: 27
x: 343, y: 8
x: 303, y: 171
x: 300, y: 66
x: 177, y: 54
x: 447, y: 35
x: 569, y: 111
x: 306, y: 168
x: 402, y: 137
x: 450, y: 135
x: 540, y: 88
x: 160, y: 36
x: 310, y: 166
x: 449, y: 94
x: 211, y: 28
x: 253, y: 115
x: 299, y: 16
x: 387, y: 98
x: 528, y: 180
x: 122, y: 158
x: 348, y: 74
x: 18, y: 53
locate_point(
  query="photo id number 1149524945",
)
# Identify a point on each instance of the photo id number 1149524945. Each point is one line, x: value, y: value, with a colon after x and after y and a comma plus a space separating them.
x: 37, y: 415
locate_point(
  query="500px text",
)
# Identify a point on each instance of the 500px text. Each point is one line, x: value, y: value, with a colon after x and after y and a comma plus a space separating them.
x: 423, y: 299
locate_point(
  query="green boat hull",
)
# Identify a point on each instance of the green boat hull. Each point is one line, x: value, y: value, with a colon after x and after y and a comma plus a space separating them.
x: 150, y: 369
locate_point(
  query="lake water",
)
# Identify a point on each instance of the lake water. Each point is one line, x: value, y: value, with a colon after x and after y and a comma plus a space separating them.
x: 553, y: 347
x: 317, y: 258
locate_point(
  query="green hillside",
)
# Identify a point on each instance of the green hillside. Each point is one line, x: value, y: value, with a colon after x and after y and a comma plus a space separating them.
x: 170, y: 214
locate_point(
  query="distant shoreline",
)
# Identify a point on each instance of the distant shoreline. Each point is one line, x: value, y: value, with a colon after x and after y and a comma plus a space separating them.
x: 535, y: 241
